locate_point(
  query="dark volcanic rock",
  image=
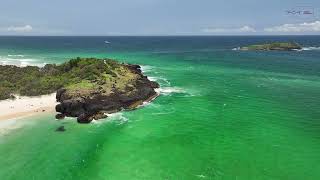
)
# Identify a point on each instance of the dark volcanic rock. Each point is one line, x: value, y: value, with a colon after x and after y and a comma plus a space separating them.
x: 60, y: 116
x: 84, y: 118
x: 154, y: 84
x: 60, y: 93
x: 99, y: 115
x: 93, y: 104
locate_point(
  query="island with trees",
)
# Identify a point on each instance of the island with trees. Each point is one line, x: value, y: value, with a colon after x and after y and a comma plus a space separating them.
x: 276, y: 46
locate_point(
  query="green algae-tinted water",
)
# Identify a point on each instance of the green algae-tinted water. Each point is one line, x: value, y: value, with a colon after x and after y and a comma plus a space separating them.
x: 222, y: 114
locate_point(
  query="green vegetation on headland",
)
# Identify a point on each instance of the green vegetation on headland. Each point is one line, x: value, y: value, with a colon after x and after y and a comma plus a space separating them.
x: 34, y: 81
x: 86, y: 88
x: 277, y: 46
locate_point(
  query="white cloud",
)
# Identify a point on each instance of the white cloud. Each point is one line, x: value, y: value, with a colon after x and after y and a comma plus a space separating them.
x: 242, y: 29
x: 247, y: 29
x: 302, y: 27
x: 26, y: 28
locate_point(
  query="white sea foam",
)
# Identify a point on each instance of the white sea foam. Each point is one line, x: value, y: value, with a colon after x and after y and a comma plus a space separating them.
x: 161, y: 80
x: 115, y: 117
x: 146, y: 68
x: 15, y: 55
x: 163, y: 113
x: 20, y: 60
x: 118, y: 117
x: 7, y: 125
x: 169, y: 90
x: 310, y: 48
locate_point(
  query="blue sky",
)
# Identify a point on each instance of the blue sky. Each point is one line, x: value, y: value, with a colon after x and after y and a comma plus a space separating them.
x: 159, y: 17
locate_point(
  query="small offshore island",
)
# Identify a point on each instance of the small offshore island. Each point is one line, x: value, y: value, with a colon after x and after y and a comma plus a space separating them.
x: 86, y: 88
x: 277, y: 46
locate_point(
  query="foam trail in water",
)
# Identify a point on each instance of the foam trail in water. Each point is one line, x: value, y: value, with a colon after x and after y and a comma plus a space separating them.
x: 165, y: 85
x: 161, y: 80
x: 170, y: 90
x: 118, y: 117
x: 146, y: 68
x: 17, y: 55
x: 310, y: 48
x: 9, y: 125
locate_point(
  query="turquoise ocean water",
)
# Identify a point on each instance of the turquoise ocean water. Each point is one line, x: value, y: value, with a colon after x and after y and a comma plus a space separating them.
x: 222, y: 113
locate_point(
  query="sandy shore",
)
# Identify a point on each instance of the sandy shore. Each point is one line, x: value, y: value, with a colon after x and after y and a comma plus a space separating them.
x: 27, y: 106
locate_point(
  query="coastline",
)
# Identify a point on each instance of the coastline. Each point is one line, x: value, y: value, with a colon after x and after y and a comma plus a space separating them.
x: 24, y: 106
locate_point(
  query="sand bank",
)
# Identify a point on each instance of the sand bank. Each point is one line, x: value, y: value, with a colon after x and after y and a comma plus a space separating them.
x: 26, y: 106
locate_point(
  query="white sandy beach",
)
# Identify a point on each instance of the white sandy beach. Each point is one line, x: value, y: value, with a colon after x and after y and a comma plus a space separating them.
x: 27, y: 106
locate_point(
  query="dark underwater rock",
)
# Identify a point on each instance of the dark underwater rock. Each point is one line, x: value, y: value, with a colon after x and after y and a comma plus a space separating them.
x: 60, y: 129
x: 60, y: 116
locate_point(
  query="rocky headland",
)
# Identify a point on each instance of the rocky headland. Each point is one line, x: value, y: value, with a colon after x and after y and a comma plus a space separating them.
x: 86, y: 88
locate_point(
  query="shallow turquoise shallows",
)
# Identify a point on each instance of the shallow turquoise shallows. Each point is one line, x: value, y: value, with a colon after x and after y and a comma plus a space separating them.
x: 222, y: 113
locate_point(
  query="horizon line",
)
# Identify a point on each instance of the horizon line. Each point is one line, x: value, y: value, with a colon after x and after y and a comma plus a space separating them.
x: 169, y: 35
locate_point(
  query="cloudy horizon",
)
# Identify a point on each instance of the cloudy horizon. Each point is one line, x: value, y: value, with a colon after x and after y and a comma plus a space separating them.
x: 159, y: 17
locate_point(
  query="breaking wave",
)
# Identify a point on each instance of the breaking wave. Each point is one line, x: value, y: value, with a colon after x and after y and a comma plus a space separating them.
x: 146, y: 68
x: 119, y: 117
x: 165, y: 85
x: 18, y: 55
x: 170, y: 90
x: 161, y: 80
x: 20, y: 60
x: 312, y: 48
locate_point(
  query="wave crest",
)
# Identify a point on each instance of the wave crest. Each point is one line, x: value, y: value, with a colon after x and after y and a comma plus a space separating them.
x: 146, y: 68
x: 15, y: 55
x: 170, y: 90
x: 20, y: 60
x: 311, y: 48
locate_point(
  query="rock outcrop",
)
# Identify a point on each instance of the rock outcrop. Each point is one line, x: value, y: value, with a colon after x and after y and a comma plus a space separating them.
x: 278, y: 46
x: 123, y: 88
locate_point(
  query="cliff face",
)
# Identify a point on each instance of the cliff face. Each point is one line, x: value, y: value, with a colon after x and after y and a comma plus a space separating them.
x: 119, y: 87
